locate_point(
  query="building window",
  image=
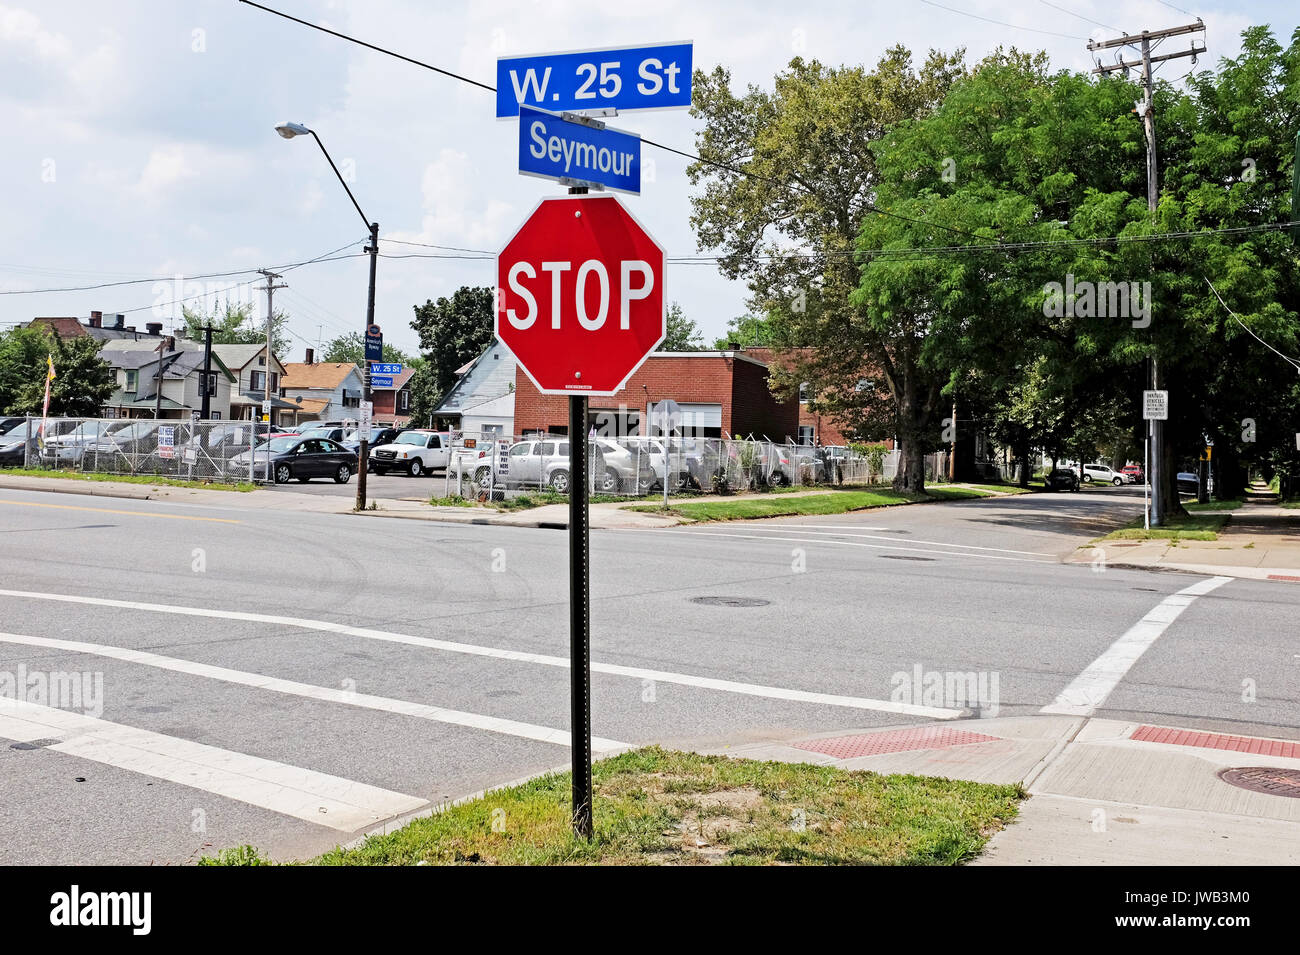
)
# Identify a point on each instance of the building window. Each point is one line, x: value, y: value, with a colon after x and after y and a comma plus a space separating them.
x: 805, y: 434
x: 404, y: 401
x: 216, y: 414
x: 275, y: 382
x: 132, y: 382
x: 803, y: 393
x: 212, y: 384
x: 351, y: 402
x: 256, y: 380
x: 261, y: 360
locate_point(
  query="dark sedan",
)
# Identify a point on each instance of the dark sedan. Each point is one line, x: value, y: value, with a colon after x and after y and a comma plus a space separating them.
x: 302, y: 458
x: 1062, y: 479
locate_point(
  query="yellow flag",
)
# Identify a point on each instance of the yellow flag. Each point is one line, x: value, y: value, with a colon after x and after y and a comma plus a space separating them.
x: 49, y: 360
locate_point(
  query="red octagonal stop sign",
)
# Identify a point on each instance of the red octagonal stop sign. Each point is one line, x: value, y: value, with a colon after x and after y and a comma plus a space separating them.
x: 580, y: 295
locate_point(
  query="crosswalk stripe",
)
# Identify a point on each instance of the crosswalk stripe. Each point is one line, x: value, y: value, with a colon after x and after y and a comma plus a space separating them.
x: 520, y: 656
x: 331, y: 801
x: 438, y: 714
x: 1091, y: 688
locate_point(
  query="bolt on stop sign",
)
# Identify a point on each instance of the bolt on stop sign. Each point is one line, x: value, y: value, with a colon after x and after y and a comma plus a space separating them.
x: 580, y: 295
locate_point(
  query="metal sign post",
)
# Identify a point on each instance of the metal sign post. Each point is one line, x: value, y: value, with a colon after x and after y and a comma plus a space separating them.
x: 1155, y: 407
x: 580, y: 617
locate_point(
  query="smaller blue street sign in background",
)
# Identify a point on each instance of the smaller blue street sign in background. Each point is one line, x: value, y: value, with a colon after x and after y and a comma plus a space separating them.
x: 554, y: 148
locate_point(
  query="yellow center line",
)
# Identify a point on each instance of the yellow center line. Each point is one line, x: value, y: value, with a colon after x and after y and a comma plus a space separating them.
x: 109, y: 510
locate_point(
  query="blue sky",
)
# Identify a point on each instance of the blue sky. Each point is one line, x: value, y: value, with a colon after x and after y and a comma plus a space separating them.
x: 139, y: 134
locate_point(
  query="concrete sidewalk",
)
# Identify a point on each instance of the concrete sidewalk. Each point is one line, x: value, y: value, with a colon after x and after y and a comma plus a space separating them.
x: 1098, y: 795
x: 1260, y: 541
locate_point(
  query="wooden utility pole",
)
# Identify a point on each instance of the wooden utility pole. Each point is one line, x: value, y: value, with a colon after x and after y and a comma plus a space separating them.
x: 1145, y: 108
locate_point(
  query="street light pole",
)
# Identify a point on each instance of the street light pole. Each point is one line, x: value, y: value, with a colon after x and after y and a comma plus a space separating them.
x: 289, y: 131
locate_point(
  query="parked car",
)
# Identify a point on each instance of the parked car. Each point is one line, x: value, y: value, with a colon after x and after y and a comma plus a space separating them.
x: 1133, y: 473
x: 68, y: 448
x: 139, y: 437
x: 544, y: 463
x: 295, y: 457
x: 1188, y: 483
x: 626, y: 469
x: 15, y: 443
x: 687, y: 467
x: 332, y: 432
x: 416, y: 452
x: 378, y: 436
x: 1062, y: 479
x: 8, y: 424
x: 1100, y: 472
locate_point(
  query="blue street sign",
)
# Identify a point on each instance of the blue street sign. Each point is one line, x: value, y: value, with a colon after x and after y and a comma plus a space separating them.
x: 622, y: 78
x: 385, y: 368
x: 381, y: 381
x: 374, y: 343
x: 555, y: 148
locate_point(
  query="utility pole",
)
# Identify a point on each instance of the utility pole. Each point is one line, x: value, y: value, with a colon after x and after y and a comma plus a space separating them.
x: 205, y: 402
x: 157, y: 391
x: 1145, y: 108
x: 266, y: 376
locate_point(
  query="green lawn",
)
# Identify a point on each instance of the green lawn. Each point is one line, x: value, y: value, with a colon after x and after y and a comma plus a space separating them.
x: 1003, y: 488
x: 1214, y: 505
x: 129, y: 479
x: 1195, y: 527
x: 833, y: 502
x: 659, y: 807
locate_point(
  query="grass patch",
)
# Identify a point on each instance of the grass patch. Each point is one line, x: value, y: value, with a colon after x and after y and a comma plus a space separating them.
x: 454, y: 500
x: 158, y: 479
x: 835, y: 502
x: 1194, y: 527
x: 1003, y: 488
x: 1213, y: 506
x: 523, y: 502
x: 659, y: 807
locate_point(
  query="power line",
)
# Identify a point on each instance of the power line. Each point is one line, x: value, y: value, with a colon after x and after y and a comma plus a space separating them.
x: 647, y: 142
x: 1003, y: 23
x: 1291, y: 361
x: 1047, y: 3
x: 324, y: 257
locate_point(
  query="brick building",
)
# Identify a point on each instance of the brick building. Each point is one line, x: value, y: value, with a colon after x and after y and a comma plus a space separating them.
x: 814, y: 427
x: 721, y: 393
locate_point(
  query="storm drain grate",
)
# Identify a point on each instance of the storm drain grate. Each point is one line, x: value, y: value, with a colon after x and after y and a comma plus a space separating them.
x: 34, y: 744
x: 1237, y: 744
x: 1264, y: 779
x: 894, y: 741
x: 730, y: 601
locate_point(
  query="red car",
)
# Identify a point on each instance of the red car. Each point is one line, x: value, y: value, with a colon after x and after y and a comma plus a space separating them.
x: 1132, y: 473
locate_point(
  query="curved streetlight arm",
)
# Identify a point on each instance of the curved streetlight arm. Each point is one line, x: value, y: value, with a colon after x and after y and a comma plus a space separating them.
x: 342, y: 181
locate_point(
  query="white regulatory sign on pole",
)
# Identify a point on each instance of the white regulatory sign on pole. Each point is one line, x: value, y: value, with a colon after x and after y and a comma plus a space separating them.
x: 364, y: 413
x: 1155, y: 405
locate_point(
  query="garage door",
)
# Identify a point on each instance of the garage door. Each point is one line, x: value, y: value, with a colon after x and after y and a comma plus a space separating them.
x: 695, y: 417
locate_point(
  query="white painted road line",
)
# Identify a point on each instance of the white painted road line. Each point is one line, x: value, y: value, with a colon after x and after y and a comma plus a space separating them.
x: 437, y: 714
x: 1090, y: 689
x: 842, y: 543
x: 835, y: 530
x: 638, y: 673
x: 325, y: 800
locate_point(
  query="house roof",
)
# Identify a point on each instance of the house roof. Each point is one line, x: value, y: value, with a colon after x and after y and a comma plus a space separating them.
x: 176, y: 364
x: 311, y: 406
x: 399, y: 381
x: 237, y: 356
x: 322, y: 374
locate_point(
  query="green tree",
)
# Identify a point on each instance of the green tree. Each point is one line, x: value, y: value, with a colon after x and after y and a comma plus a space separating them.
x: 806, y: 178
x: 750, y: 331
x: 683, y: 333
x: 82, y: 383
x: 452, y: 331
x: 352, y: 348
x: 236, y: 325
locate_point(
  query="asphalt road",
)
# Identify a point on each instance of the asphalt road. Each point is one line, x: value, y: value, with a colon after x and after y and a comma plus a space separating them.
x: 288, y: 679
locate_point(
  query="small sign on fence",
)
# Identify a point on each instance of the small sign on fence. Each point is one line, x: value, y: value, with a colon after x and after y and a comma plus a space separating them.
x: 166, y: 441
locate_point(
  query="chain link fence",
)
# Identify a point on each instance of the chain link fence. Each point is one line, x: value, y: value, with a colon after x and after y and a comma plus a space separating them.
x: 184, y: 449
x: 493, y: 464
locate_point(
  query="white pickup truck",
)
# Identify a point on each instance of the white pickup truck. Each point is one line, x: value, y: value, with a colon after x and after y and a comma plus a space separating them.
x: 416, y: 452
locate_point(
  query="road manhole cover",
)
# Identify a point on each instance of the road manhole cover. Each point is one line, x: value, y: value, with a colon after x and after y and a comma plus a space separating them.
x: 1264, y: 779
x: 730, y: 601
x: 902, y: 557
